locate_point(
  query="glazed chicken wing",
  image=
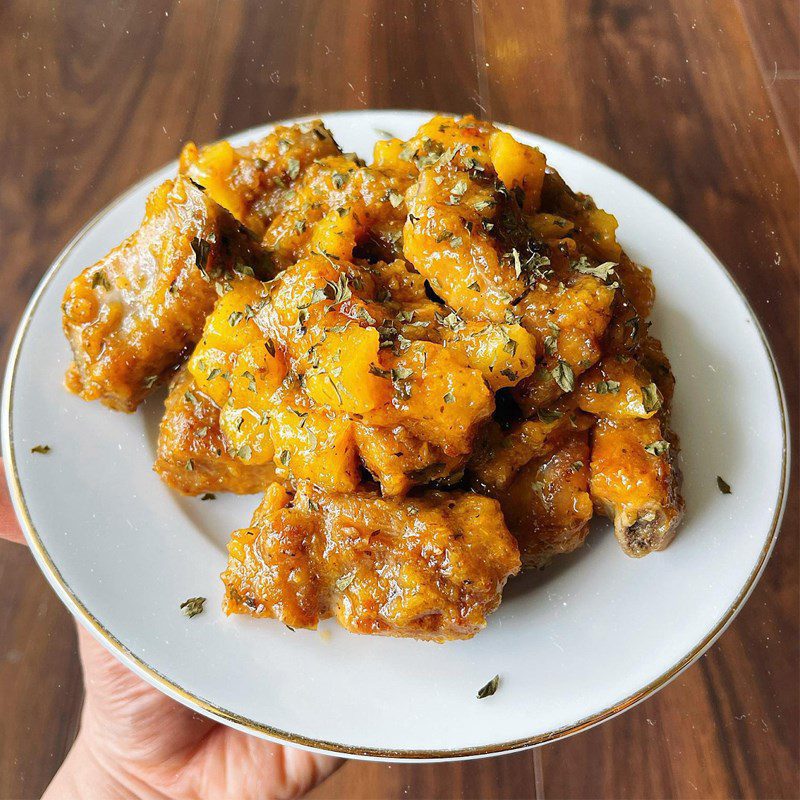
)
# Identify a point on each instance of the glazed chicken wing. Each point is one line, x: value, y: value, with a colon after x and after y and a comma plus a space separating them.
x: 431, y: 567
x: 635, y: 478
x: 479, y: 231
x: 547, y: 505
x: 342, y: 209
x: 130, y: 317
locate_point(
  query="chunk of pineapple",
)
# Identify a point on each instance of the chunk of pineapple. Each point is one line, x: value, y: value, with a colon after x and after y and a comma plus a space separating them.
x: 503, y: 354
x: 518, y: 165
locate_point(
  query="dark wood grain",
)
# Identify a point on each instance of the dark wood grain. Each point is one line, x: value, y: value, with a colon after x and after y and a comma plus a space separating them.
x: 510, y: 777
x: 774, y: 27
x: 728, y: 727
x: 678, y: 95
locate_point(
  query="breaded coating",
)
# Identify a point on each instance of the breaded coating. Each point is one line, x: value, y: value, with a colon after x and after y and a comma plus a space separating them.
x: 635, y: 478
x: 450, y: 238
x: 539, y: 471
x: 342, y: 209
x: 547, y: 505
x: 192, y: 452
x: 254, y: 182
x: 131, y: 317
x: 429, y: 567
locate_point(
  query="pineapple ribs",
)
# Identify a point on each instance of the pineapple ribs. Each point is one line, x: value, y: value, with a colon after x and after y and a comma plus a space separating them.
x: 437, y: 368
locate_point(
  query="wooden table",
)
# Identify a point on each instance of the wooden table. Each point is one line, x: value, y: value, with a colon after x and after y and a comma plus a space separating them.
x: 696, y: 100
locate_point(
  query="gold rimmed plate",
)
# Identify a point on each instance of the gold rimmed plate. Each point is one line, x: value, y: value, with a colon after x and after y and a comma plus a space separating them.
x: 574, y: 644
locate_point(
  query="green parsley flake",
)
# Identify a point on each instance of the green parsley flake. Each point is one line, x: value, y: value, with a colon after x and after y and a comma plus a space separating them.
x: 651, y: 398
x: 343, y: 582
x: 601, y: 271
x: 490, y: 688
x: 607, y: 387
x: 99, y: 279
x: 657, y: 448
x: 564, y: 376
x: 193, y: 606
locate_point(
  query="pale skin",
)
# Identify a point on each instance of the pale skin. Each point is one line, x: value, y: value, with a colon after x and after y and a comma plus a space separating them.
x: 135, y: 742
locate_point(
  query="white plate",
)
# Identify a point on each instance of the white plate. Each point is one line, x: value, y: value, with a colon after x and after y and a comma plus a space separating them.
x: 574, y: 644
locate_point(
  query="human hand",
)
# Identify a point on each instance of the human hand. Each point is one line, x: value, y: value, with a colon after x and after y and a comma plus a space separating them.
x: 135, y: 742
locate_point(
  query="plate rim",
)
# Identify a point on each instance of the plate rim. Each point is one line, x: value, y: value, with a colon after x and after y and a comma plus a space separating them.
x: 243, y: 723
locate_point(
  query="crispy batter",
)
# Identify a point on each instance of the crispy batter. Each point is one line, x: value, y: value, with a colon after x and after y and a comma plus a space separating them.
x: 431, y: 567
x: 192, y: 452
x: 131, y: 316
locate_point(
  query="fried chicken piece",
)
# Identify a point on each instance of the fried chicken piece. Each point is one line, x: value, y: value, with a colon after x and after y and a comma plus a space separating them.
x: 435, y: 398
x: 131, y: 317
x: 476, y: 232
x: 504, y: 353
x: 500, y: 454
x: 635, y: 478
x: 601, y: 310
x: 539, y: 471
x: 547, y: 505
x: 570, y: 218
x: 431, y: 567
x: 635, y: 481
x: 449, y: 237
x: 254, y: 182
x: 342, y: 209
x: 398, y: 460
x: 192, y: 452
x: 571, y: 319
x: 470, y: 145
x: 266, y: 416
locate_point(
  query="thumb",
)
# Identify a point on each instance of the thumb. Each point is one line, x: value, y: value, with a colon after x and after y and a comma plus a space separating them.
x: 9, y: 529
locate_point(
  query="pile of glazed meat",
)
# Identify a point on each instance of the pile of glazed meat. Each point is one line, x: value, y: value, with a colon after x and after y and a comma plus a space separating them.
x: 436, y: 368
